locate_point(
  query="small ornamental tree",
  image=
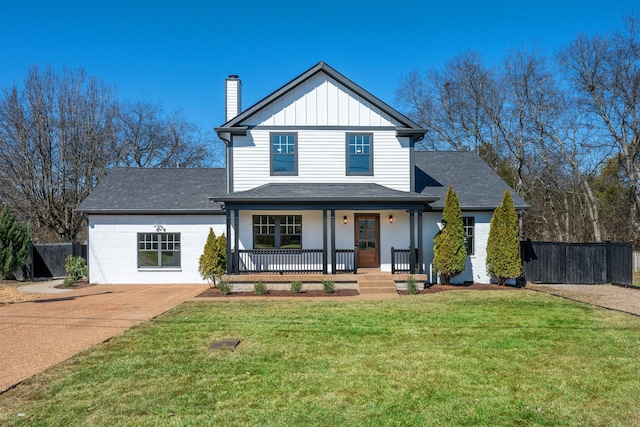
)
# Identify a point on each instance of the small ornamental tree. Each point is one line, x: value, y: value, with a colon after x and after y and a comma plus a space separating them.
x: 503, y: 246
x: 450, y: 252
x: 213, y: 262
x: 15, y: 244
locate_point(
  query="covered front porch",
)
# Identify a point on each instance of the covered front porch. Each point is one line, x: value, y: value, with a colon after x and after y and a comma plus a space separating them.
x: 306, y: 230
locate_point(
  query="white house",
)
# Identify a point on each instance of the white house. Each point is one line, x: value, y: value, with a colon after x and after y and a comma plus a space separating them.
x: 321, y: 177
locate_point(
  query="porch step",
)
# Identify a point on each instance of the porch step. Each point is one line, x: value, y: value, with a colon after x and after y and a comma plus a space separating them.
x: 383, y: 286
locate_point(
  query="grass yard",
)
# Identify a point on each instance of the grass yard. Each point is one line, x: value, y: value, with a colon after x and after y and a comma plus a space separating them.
x: 636, y: 278
x: 453, y: 358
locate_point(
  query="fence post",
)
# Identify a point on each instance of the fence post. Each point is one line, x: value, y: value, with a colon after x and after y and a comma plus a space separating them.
x: 393, y: 261
x: 608, y: 264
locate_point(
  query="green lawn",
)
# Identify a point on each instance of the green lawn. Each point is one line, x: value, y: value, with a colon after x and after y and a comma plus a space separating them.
x: 455, y: 358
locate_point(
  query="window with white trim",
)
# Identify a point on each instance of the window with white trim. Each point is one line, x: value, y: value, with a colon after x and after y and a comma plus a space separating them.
x: 468, y: 224
x: 160, y: 250
x: 277, y: 232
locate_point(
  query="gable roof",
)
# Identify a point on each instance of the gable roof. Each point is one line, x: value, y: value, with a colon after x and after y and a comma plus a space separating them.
x: 156, y: 191
x: 409, y: 127
x: 477, y: 186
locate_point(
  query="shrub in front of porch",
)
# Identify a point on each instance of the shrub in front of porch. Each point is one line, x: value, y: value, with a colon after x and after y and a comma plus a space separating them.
x: 213, y: 262
x: 260, y: 288
x: 296, y: 287
x: 450, y: 251
x: 329, y: 286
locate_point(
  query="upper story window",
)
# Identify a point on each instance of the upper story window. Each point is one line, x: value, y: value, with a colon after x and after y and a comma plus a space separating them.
x: 284, y: 154
x: 158, y: 250
x: 468, y: 223
x: 359, y: 154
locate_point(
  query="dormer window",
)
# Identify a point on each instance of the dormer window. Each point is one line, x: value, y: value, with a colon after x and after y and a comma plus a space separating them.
x: 359, y: 154
x: 284, y: 154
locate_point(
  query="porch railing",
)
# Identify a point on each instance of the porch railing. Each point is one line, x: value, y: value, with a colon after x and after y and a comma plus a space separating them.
x: 403, y: 261
x: 289, y: 261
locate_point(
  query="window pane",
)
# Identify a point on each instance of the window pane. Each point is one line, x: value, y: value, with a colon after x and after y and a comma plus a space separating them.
x: 148, y: 259
x: 358, y: 163
x: 290, y: 242
x: 284, y: 163
x: 171, y: 259
x: 264, y: 241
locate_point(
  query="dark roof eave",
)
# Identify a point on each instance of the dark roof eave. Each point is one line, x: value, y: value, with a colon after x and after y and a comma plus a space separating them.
x: 233, y: 130
x: 286, y: 200
x: 150, y: 211
x: 481, y: 208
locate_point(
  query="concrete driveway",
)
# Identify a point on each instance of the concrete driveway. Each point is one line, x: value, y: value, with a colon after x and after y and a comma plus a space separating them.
x: 39, y: 334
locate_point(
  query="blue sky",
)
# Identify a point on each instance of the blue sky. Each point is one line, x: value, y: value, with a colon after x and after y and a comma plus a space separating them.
x: 179, y: 53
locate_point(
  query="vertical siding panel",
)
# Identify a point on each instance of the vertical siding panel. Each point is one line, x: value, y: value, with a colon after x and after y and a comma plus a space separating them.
x: 311, y: 112
x: 322, y: 104
x: 343, y: 107
x: 332, y: 104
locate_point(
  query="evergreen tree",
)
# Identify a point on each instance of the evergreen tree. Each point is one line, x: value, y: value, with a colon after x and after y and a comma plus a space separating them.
x: 449, y: 250
x: 213, y: 262
x: 15, y: 244
x: 503, y: 246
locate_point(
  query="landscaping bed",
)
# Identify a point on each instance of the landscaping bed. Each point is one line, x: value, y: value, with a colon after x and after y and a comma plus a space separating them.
x: 311, y: 293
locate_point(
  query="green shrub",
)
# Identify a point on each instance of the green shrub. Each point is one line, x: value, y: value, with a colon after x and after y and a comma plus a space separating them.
x: 449, y: 249
x: 76, y: 268
x: 15, y: 244
x: 225, y: 287
x: 260, y: 288
x: 503, y: 245
x: 296, y: 287
x: 412, y: 289
x: 328, y: 286
x: 212, y: 264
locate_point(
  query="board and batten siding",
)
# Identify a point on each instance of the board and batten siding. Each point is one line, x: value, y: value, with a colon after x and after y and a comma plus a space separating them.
x: 321, y: 101
x: 321, y: 158
x: 112, y: 250
x: 476, y: 266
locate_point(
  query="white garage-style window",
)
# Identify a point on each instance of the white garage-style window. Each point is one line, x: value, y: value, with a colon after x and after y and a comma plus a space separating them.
x: 160, y: 250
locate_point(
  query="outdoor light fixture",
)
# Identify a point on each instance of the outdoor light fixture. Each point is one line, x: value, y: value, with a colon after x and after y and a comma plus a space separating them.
x: 390, y: 219
x: 345, y: 219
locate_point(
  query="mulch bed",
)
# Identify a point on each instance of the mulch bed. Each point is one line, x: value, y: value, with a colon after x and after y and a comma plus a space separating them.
x: 316, y: 293
x: 77, y: 285
x: 353, y: 292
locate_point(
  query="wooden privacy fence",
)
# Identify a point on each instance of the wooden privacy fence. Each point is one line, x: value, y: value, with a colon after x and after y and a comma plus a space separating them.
x: 577, y: 263
x: 47, y: 259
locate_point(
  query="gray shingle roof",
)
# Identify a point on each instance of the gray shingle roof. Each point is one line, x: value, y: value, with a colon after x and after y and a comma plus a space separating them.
x: 475, y: 183
x: 324, y: 192
x: 160, y: 190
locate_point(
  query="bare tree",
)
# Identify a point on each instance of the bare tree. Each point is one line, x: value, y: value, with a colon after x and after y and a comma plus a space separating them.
x: 604, y: 72
x: 57, y: 138
x: 149, y: 138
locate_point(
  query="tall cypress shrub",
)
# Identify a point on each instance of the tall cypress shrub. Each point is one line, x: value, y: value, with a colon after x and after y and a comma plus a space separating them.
x: 15, y: 244
x: 503, y: 247
x: 213, y: 262
x: 449, y: 250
